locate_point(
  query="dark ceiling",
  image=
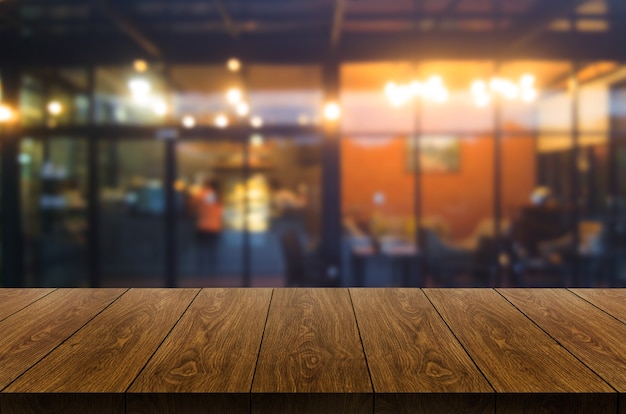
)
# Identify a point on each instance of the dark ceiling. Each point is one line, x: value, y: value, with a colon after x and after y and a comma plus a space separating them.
x: 202, y: 31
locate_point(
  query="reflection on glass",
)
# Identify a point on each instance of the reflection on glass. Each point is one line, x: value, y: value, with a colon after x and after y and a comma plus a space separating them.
x: 458, y: 227
x: 54, y: 209
x: 132, y: 204
x: 378, y: 210
x: 211, y: 193
x: 284, y: 207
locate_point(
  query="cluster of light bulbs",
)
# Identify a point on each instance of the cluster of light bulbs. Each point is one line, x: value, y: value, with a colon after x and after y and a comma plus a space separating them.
x: 435, y: 90
x: 524, y: 90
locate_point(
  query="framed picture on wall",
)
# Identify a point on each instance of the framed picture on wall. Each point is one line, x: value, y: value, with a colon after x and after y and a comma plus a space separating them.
x: 438, y: 154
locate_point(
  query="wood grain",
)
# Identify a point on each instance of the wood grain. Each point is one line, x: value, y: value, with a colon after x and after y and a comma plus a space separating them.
x: 612, y: 301
x: 30, y: 334
x: 410, y: 351
x: 13, y: 300
x: 516, y: 356
x: 594, y: 337
x: 63, y: 404
x: 106, y: 355
x: 311, y: 345
x: 213, y: 349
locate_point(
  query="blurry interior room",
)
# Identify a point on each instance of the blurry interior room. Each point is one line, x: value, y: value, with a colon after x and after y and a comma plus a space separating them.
x: 438, y: 143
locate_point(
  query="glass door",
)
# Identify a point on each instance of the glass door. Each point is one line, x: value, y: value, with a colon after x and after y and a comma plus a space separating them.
x: 210, y: 198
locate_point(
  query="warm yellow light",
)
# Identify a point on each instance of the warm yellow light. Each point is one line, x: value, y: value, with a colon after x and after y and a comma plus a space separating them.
x: 416, y: 88
x: 242, y: 109
x: 189, y: 121
x: 233, y: 64
x: 529, y: 95
x: 221, y: 121
x: 478, y: 87
x: 140, y: 89
x: 527, y: 80
x: 233, y: 96
x: 55, y: 108
x: 256, y: 122
x: 332, y: 112
x: 6, y: 114
x: 140, y: 65
x: 159, y: 108
x: 482, y: 100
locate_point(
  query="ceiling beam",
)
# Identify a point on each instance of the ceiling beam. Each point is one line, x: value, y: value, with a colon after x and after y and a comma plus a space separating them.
x: 129, y: 28
x: 338, y: 18
x: 538, y: 19
x: 229, y: 22
x: 444, y: 13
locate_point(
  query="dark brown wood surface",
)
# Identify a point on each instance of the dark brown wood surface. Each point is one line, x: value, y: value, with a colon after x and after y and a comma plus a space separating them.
x: 312, y: 351
x: 13, y: 300
x: 597, y: 339
x: 311, y: 345
x: 212, y: 350
x: 612, y: 301
x: 527, y: 368
x: 106, y: 355
x: 410, y: 351
x: 30, y: 334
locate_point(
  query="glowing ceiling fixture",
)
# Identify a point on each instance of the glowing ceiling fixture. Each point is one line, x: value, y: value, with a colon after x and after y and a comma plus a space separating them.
x: 233, y: 65
x: 140, y: 65
x: 189, y: 121
x: 332, y: 111
x: 140, y: 89
x: 256, y: 121
x: 6, y: 114
x: 159, y: 108
x: 234, y: 96
x: 433, y: 90
x: 242, y: 109
x: 54, y: 108
x: 523, y: 90
x: 221, y: 121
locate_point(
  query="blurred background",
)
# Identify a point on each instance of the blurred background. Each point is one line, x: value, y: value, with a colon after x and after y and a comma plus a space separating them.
x: 313, y: 143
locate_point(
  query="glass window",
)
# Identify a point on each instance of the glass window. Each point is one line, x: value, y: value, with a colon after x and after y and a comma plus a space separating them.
x: 284, y: 207
x: 365, y: 106
x: 54, y: 208
x: 210, y: 193
x: 287, y: 95
x: 378, y: 210
x: 132, y: 206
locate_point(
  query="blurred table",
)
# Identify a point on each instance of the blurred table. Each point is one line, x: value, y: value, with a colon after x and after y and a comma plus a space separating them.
x: 400, y: 254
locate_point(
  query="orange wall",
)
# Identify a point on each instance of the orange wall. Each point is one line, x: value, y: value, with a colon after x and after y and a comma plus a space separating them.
x: 461, y: 198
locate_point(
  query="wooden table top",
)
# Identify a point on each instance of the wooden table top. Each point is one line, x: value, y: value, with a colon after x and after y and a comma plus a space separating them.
x: 312, y: 351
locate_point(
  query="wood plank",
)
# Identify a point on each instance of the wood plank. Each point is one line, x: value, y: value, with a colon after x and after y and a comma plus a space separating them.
x: 612, y: 301
x: 213, y: 349
x: 311, y: 346
x: 416, y: 363
x: 62, y: 403
x: 529, y: 370
x: 188, y: 403
x: 13, y: 300
x: 30, y: 334
x: 594, y: 337
x: 105, y: 356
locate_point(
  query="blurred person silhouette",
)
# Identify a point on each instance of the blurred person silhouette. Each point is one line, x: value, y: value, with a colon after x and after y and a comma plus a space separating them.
x: 209, y: 210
